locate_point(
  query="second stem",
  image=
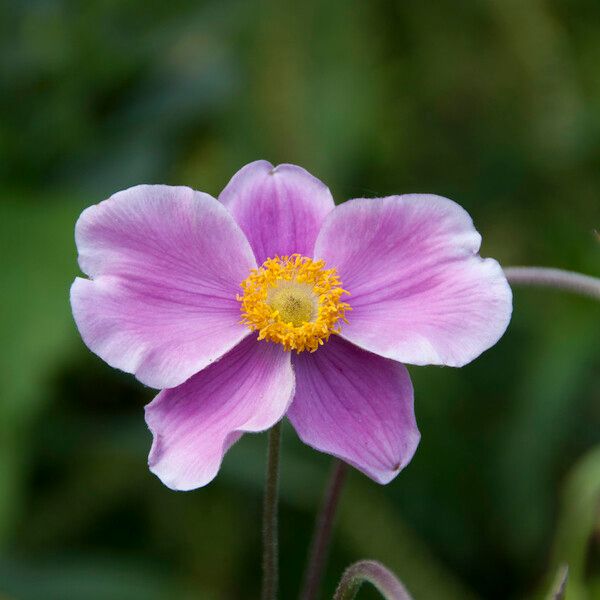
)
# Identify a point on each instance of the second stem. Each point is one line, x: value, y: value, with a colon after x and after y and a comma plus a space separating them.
x: 319, y: 549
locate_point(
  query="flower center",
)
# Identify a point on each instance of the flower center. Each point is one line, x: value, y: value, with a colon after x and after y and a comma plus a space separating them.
x: 294, y: 301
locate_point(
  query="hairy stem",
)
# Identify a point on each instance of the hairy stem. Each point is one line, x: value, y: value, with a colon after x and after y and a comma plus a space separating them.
x: 555, y: 278
x: 373, y: 572
x: 270, y: 514
x: 319, y: 548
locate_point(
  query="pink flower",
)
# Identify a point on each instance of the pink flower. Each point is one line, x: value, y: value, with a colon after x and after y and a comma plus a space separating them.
x: 340, y: 298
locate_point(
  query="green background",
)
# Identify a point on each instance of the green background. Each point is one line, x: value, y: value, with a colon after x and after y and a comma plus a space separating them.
x: 493, y: 103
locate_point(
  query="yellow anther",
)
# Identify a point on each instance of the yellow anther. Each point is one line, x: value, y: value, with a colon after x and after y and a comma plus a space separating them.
x: 294, y: 301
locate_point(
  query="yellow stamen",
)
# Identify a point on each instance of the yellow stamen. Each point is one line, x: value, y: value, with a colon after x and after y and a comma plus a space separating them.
x: 294, y: 301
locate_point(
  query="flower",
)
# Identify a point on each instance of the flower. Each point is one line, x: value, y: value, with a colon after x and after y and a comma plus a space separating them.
x: 180, y: 284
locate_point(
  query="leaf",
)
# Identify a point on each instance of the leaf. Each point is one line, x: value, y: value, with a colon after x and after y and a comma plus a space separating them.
x: 560, y: 584
x: 578, y: 523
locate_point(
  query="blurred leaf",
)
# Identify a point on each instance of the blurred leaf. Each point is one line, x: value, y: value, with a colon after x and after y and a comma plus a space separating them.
x: 370, y: 525
x: 560, y: 584
x: 553, y: 392
x: 37, y: 261
x: 89, y: 578
x: 579, y: 526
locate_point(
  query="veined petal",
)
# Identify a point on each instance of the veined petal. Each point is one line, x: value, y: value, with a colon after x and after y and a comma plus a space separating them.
x: 420, y: 294
x: 165, y: 265
x: 357, y: 406
x: 194, y: 424
x: 280, y: 209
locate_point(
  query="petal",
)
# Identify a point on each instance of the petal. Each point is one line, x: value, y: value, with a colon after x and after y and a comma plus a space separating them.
x: 420, y: 294
x: 166, y: 264
x: 279, y: 209
x: 194, y: 424
x: 356, y: 406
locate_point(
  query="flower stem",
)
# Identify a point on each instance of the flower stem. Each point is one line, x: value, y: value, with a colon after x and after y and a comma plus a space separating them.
x: 319, y: 548
x: 270, y: 543
x: 555, y: 278
x: 375, y: 573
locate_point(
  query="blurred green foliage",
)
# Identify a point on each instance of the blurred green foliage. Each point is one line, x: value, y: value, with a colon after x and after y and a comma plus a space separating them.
x: 495, y: 104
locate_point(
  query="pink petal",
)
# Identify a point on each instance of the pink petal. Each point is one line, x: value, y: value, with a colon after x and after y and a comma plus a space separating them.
x: 356, y: 406
x: 420, y: 294
x: 279, y: 209
x: 194, y: 424
x: 165, y: 265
